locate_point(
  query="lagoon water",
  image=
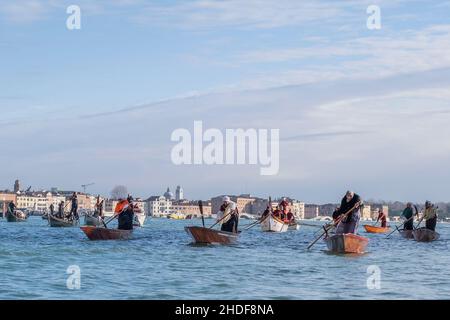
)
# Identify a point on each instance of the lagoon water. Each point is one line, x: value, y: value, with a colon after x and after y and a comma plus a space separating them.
x: 160, y: 263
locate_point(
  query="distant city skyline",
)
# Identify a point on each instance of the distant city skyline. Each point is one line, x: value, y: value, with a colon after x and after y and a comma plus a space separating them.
x: 366, y: 110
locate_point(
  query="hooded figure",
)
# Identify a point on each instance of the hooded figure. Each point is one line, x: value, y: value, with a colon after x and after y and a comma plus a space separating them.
x: 350, y: 205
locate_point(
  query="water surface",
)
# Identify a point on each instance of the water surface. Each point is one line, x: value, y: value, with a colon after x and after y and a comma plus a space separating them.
x: 160, y: 263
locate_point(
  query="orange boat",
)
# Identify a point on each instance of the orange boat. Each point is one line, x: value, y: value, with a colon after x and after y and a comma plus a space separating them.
x: 346, y: 243
x: 210, y: 236
x: 373, y: 229
x: 100, y: 233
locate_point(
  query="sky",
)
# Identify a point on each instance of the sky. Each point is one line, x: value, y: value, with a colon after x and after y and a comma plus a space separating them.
x: 359, y: 109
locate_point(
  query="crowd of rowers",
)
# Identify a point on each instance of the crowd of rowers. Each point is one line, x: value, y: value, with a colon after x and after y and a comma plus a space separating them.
x: 346, y: 217
x: 124, y: 211
x: 228, y: 214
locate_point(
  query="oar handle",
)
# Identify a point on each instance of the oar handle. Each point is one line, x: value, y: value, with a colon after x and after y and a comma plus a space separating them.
x: 200, y: 205
x: 217, y: 222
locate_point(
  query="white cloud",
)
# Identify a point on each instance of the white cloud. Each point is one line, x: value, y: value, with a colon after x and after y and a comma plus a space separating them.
x: 24, y: 11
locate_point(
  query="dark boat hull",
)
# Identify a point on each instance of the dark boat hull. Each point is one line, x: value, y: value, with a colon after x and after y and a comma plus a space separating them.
x: 425, y: 235
x: 96, y: 233
x: 407, y: 234
x: 14, y: 218
x: 61, y: 223
x: 346, y: 243
x: 202, y: 235
x: 92, y: 221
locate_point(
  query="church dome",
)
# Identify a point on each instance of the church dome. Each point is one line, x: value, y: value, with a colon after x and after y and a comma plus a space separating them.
x: 168, y: 194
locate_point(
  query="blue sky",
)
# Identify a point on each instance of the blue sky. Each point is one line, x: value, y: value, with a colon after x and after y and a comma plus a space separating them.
x: 361, y: 109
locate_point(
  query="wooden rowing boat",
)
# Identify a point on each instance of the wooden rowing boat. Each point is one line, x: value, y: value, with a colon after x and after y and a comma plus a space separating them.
x: 346, y: 243
x: 211, y: 236
x: 100, y: 233
x: 274, y: 224
x: 425, y: 235
x: 373, y: 229
x: 61, y: 223
x: 93, y: 221
x: 17, y: 216
x: 407, y: 234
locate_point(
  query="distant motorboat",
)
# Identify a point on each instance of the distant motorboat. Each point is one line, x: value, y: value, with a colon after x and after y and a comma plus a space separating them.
x: 176, y: 216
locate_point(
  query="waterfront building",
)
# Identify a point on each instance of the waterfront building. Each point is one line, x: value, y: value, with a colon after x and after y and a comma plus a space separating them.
x: 186, y: 207
x: 298, y: 209
x: 243, y: 202
x: 311, y: 211
x: 159, y: 206
x: 367, y: 213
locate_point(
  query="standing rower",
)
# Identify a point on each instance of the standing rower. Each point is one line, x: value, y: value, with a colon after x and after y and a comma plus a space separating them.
x: 408, y: 215
x: 382, y: 217
x: 350, y: 207
x: 229, y: 215
x: 74, y: 209
x: 98, y: 212
x: 124, y: 209
x: 11, y: 208
x: 430, y: 216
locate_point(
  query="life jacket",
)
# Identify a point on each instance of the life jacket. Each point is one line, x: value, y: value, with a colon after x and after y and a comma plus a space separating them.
x: 121, y: 206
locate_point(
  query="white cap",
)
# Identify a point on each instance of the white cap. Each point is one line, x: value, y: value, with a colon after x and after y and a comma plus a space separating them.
x: 226, y: 199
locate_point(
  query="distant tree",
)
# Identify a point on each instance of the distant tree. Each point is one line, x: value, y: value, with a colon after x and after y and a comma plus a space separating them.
x: 119, y: 192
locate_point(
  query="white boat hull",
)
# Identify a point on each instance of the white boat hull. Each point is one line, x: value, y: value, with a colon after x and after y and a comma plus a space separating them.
x: 272, y: 224
x: 139, y: 219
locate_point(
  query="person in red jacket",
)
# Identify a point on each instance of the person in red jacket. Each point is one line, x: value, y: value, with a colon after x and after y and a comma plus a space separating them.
x: 382, y: 217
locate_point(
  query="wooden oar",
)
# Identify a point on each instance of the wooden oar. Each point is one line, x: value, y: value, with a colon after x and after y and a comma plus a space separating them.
x: 396, y: 227
x: 334, y: 224
x: 257, y: 222
x: 217, y: 222
x: 310, y: 225
x: 200, y: 205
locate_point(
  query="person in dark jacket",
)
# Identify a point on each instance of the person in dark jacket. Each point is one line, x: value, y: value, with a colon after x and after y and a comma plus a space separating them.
x: 336, y: 214
x: 349, y: 213
x: 52, y: 209
x: 126, y: 214
x: 430, y: 216
x: 11, y: 207
x: 74, y: 209
x: 61, y: 210
x: 408, y: 214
